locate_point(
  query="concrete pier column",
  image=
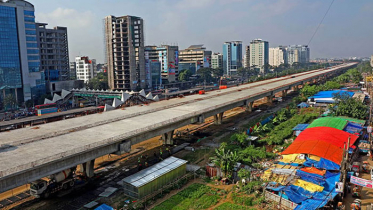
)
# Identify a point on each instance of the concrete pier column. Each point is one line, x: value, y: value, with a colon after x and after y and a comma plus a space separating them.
x: 284, y: 93
x: 87, y: 168
x: 295, y: 88
x: 270, y: 99
x: 218, y: 118
x: 249, y: 106
x: 168, y: 138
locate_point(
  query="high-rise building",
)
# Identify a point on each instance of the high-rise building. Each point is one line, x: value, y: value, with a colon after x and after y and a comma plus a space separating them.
x: 298, y: 54
x: 124, y: 50
x: 54, y: 52
x: 259, y: 55
x: 246, y: 62
x: 85, y: 68
x: 277, y: 56
x: 371, y: 61
x: 232, y: 57
x: 217, y: 60
x: 20, y: 74
x: 168, y: 58
x: 72, y: 70
x: 195, y: 54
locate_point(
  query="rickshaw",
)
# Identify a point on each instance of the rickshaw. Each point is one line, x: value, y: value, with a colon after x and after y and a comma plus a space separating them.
x: 356, y: 192
x: 356, y: 205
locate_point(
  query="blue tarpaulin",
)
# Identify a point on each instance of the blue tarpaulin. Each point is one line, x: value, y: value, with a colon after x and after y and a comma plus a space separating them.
x: 353, y: 128
x: 266, y: 120
x: 322, y: 164
x: 300, y: 127
x: 313, y: 178
x: 303, y: 105
x: 104, y: 207
x: 272, y: 186
x: 330, y: 94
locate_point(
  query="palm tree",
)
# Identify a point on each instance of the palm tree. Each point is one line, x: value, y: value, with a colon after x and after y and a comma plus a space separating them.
x: 225, y: 159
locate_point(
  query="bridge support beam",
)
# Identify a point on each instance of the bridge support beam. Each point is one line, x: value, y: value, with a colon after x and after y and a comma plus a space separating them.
x: 168, y: 138
x: 284, y: 93
x: 249, y: 106
x: 270, y: 99
x: 87, y: 168
x: 295, y: 88
x: 218, y: 118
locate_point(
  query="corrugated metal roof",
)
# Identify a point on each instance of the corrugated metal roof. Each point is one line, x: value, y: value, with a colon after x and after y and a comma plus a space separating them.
x: 147, y: 175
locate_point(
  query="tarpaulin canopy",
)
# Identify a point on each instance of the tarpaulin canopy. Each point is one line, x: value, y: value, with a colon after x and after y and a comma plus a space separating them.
x: 313, y: 170
x: 321, y: 164
x: 292, y: 158
x: 104, y: 207
x: 303, y: 105
x: 330, y: 94
x: 300, y: 127
x: 316, y: 147
x: 333, y: 122
x: 308, y: 186
x: 309, y: 177
x: 352, y: 127
x: 361, y: 122
x: 331, y: 135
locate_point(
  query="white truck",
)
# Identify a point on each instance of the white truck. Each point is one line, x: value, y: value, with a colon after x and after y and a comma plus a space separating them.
x: 44, y: 187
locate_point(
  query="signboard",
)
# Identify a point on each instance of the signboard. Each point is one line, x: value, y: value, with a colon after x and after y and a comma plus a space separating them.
x: 361, y: 182
x: 339, y: 187
x: 369, y: 129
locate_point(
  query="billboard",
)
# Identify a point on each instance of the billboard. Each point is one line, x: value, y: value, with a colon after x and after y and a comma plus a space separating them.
x: 361, y: 182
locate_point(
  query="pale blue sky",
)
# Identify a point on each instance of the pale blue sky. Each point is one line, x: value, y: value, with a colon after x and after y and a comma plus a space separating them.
x: 346, y: 31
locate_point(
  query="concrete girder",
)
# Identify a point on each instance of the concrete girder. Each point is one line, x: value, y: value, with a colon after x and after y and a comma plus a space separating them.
x: 87, y: 168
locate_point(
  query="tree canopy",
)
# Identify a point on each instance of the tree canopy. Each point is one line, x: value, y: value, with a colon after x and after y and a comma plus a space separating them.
x: 348, y: 106
x: 184, y: 75
x: 99, y: 82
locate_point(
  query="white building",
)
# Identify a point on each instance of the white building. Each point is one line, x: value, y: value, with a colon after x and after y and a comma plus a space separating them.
x: 85, y: 68
x: 277, y: 56
x: 217, y: 60
x: 298, y: 54
x: 259, y: 54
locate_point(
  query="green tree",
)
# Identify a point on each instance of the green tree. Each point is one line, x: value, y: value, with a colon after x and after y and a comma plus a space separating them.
x: 205, y: 74
x: 244, y: 174
x: 252, y: 154
x: 225, y: 159
x: 10, y: 101
x: 348, y: 106
x: 99, y: 82
x: 240, y: 138
x: 184, y: 75
x: 216, y: 73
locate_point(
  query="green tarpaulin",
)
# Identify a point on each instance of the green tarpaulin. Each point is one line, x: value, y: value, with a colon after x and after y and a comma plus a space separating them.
x: 333, y: 122
x: 361, y: 122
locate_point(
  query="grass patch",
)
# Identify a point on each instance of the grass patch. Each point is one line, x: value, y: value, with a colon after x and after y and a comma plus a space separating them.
x: 196, y: 196
x: 196, y: 155
x: 243, y: 200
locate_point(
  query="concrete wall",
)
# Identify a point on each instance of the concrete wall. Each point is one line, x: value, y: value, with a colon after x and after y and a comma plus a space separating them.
x: 66, y: 85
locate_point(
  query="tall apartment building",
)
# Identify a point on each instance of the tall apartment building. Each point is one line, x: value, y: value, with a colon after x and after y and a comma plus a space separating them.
x: 259, y: 54
x: 277, y: 56
x: 72, y: 70
x: 298, y: 53
x: 54, y: 52
x: 20, y: 74
x: 371, y: 61
x: 232, y: 57
x: 124, y: 49
x: 168, y: 58
x: 85, y: 68
x: 246, y: 60
x: 217, y: 60
x: 195, y: 55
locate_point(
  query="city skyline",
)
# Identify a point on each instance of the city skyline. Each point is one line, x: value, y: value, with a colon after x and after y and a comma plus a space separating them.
x: 281, y: 22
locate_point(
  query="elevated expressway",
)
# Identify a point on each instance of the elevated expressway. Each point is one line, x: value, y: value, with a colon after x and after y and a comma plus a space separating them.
x: 31, y: 153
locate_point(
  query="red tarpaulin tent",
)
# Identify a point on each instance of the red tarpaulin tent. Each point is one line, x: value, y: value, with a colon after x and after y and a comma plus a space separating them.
x: 333, y: 136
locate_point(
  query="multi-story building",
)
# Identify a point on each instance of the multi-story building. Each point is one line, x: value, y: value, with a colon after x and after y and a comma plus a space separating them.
x: 232, y: 57
x: 195, y: 54
x: 20, y: 73
x: 168, y: 57
x: 124, y: 49
x: 371, y: 61
x: 72, y: 70
x: 298, y: 54
x: 277, y: 56
x: 54, y: 52
x: 217, y: 60
x: 85, y: 68
x: 246, y: 60
x: 259, y: 55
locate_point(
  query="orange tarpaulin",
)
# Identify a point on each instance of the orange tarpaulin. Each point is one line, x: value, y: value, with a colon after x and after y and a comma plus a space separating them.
x: 313, y: 170
x: 331, y: 135
x: 315, y: 147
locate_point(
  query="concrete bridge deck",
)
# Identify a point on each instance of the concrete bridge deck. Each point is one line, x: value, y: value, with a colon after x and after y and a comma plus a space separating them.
x: 31, y: 153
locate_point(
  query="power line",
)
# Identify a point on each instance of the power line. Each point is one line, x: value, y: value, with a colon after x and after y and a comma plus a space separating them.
x: 321, y: 22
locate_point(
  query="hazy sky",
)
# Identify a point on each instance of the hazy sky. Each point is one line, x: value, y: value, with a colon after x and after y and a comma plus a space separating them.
x: 346, y: 31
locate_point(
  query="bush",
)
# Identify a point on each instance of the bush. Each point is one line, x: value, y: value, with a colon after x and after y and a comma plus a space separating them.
x: 244, y: 200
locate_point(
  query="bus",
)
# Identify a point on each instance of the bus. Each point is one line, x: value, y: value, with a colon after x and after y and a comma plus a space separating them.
x: 45, y: 109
